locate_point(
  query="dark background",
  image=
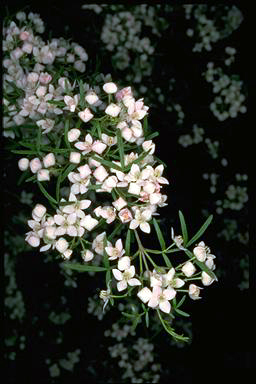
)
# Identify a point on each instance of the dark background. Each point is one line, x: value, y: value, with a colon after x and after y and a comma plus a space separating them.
x: 222, y: 320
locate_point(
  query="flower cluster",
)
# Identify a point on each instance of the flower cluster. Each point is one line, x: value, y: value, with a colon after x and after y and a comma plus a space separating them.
x: 29, y: 67
x: 208, y: 27
x: 229, y: 101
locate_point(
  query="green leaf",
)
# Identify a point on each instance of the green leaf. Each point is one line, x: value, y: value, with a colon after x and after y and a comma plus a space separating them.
x: 106, y: 162
x: 38, y: 139
x: 152, y: 136
x: 108, y: 277
x: 82, y: 96
x: 181, y: 301
x: 128, y: 242
x: 105, y: 255
x: 120, y: 147
x: 46, y: 194
x: 201, y: 265
x: 201, y: 231
x: 159, y: 234
x: 183, y: 228
x: 84, y: 268
x: 167, y: 260
x: 182, y: 313
x: 147, y: 319
x: 24, y: 152
x: 66, y: 128
x: 116, y: 230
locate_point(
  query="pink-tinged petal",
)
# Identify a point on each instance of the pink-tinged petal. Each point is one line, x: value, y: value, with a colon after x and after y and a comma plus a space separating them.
x: 59, y: 220
x: 179, y: 283
x: 134, y: 282
x: 88, y: 138
x: 119, y: 245
x: 68, y: 209
x: 118, y: 274
x: 155, y: 198
x: 131, y: 270
x: 165, y: 306
x: 169, y: 293
x: 88, y: 255
x: 99, y: 147
x: 162, y: 180
x: 80, y: 231
x: 72, y: 198
x: 71, y: 219
x: 121, y: 285
x: 134, y: 224
x: 124, y: 263
x: 60, y: 231
x: 144, y: 294
x: 88, y: 222
x: 147, y: 214
x: 75, y: 189
x: 72, y: 231
x: 83, y: 189
x: 85, y: 204
x: 170, y: 274
x: 145, y: 227
x: 159, y: 169
x: 80, y: 214
x: 45, y: 248
x: 84, y: 171
x: 153, y: 302
x: 80, y: 145
x: 109, y: 251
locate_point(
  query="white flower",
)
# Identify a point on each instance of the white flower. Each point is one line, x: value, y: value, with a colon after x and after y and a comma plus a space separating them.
x: 61, y: 245
x: 66, y: 255
x: 38, y: 212
x: 77, y: 206
x: 91, y: 98
x: 149, y: 146
x: 125, y: 278
x: 33, y: 239
x: 125, y: 215
x: 88, y: 222
x: 85, y: 115
x: 75, y: 157
x: 110, y: 87
x: 200, y: 251
x: 206, y: 279
x: 35, y: 164
x: 73, y: 134
x: 23, y: 164
x: 112, y: 110
x: 141, y: 220
x: 109, y: 140
x: 107, y: 212
x: 98, y: 243
x: 119, y: 203
x: 49, y: 160
x: 66, y: 224
x: 87, y: 255
x: 109, y: 183
x: 85, y: 146
x: 100, y: 173
x: 194, y: 292
x: 43, y: 175
x: 171, y: 282
x: 157, y: 298
x: 80, y: 182
x: 178, y: 240
x: 117, y: 251
x: 46, y: 124
x: 188, y: 269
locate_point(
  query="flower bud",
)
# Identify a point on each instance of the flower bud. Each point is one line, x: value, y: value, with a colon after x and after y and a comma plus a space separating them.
x: 91, y: 98
x: 200, y: 251
x: 61, y: 245
x: 188, y: 269
x: 100, y: 173
x: 75, y: 157
x: 38, y: 212
x: 194, y: 292
x: 73, y: 134
x: 112, y: 110
x: 67, y: 254
x: 33, y: 239
x: 49, y: 160
x: 206, y: 279
x: 43, y: 175
x: 35, y: 165
x: 110, y: 87
x: 23, y: 164
x: 87, y: 255
x: 85, y: 115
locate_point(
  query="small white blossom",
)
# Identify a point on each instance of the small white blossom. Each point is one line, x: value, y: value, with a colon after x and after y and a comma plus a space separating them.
x: 206, y: 279
x: 91, y: 98
x: 43, y: 175
x: 110, y: 87
x: 119, y: 203
x: 75, y: 157
x: 49, y: 160
x: 141, y: 219
x: 113, y: 110
x: 194, y: 292
x: 115, y: 252
x: 35, y: 165
x: 188, y: 269
x: 73, y: 134
x: 85, y: 115
x: 61, y: 245
x: 125, y: 278
x: 200, y: 251
x: 88, y: 222
x: 87, y: 255
x: 23, y: 164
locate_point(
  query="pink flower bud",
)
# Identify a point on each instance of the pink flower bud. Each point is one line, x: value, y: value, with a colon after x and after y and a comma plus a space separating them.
x: 23, y: 164
x: 35, y: 165
x: 110, y: 87
x: 49, y: 160
x: 75, y: 157
x: 43, y: 175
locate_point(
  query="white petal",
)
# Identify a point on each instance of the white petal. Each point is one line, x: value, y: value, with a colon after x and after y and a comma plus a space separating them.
x: 118, y: 274
x: 145, y: 227
x: 165, y: 306
x: 144, y: 294
x: 169, y: 293
x: 134, y: 224
x: 85, y: 204
x: 124, y: 263
x: 72, y: 231
x: 59, y: 220
x: 121, y: 285
x: 134, y: 282
x: 119, y: 245
x: 88, y: 222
